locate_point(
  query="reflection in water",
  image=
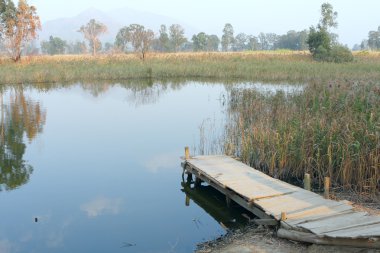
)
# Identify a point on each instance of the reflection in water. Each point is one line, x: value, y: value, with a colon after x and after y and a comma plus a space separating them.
x: 102, y: 145
x: 162, y: 162
x: 213, y: 202
x: 101, y: 205
x: 19, y: 116
x: 5, y: 246
x: 268, y: 89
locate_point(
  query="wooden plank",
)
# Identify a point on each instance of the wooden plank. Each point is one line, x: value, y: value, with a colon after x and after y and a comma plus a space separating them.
x: 329, y: 222
x: 244, y: 179
x: 340, y: 222
x: 319, y: 211
x: 232, y: 195
x: 266, y: 222
x: 312, y: 238
x: 357, y: 232
x: 299, y: 201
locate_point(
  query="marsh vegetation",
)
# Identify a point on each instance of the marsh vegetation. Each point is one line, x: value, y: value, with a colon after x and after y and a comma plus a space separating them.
x: 330, y: 129
x: 266, y: 66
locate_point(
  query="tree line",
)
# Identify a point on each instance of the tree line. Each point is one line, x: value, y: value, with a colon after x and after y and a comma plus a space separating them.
x: 19, y: 25
x: 136, y: 38
x: 372, y: 42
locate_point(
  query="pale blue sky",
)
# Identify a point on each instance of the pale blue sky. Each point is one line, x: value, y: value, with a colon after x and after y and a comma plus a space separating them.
x: 355, y: 18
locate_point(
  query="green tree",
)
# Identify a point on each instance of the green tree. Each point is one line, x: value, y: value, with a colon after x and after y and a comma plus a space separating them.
x: 163, y: 39
x: 177, y: 37
x: 18, y: 26
x: 227, y: 37
x: 373, y: 41
x: 137, y: 36
x: 200, y: 42
x: 292, y: 40
x: 91, y: 32
x: 213, y: 42
x: 205, y: 42
x: 108, y: 47
x: 253, y: 43
x: 318, y: 39
x: 241, y: 41
x: 267, y: 41
x: 77, y: 47
x: 328, y: 17
x: 323, y: 44
x: 54, y: 46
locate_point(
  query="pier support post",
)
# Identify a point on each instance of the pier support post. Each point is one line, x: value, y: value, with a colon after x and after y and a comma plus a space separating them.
x: 198, y: 182
x: 189, y: 177
x: 187, y: 153
x: 187, y: 202
x: 307, y: 182
x: 228, y: 201
x: 283, y: 216
x: 327, y: 188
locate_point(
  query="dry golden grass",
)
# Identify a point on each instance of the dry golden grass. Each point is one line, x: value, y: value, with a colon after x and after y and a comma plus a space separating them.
x: 269, y: 66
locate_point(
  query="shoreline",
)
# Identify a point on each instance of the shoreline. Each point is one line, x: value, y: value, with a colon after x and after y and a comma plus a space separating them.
x: 253, y: 238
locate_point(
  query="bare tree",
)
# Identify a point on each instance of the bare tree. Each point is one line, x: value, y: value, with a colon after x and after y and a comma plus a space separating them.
x: 18, y: 26
x: 91, y: 32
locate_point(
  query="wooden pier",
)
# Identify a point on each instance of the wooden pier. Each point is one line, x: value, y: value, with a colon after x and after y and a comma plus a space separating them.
x: 298, y: 214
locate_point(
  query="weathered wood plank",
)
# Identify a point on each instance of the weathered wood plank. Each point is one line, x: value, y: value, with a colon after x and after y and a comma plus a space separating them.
x: 364, y: 231
x: 341, y: 222
x: 312, y: 238
x: 232, y: 195
x: 319, y: 211
x: 329, y: 222
x: 266, y: 222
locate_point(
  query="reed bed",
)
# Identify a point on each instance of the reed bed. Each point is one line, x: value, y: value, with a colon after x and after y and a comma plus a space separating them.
x: 330, y: 129
x: 264, y: 66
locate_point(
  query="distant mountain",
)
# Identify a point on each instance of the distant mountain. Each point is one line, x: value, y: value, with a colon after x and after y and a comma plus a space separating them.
x: 67, y: 28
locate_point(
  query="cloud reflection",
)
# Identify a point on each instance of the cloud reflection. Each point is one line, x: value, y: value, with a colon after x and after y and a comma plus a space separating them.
x: 101, y: 205
x: 5, y: 246
x: 162, y: 161
x: 55, y: 239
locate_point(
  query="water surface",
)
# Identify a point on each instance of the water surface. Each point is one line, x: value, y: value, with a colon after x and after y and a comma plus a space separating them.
x: 96, y: 168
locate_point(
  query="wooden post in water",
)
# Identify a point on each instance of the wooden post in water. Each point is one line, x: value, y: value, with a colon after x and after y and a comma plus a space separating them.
x: 307, y: 182
x: 189, y: 178
x: 187, y: 203
x: 187, y: 153
x: 283, y: 216
x: 228, y: 201
x: 198, y: 182
x: 327, y: 188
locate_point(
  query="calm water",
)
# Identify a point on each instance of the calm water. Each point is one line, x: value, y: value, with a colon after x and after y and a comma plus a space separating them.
x: 96, y: 168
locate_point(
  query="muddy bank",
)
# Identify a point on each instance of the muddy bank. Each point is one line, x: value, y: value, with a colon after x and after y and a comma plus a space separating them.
x: 259, y: 239
x: 254, y: 239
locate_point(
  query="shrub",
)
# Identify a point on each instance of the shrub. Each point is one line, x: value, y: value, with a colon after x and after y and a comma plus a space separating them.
x: 337, y: 54
x: 341, y: 54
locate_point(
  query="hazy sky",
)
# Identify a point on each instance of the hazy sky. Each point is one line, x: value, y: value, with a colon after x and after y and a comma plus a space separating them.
x: 355, y: 17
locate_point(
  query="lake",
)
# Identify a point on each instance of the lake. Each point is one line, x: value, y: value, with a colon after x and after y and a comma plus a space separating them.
x: 96, y: 167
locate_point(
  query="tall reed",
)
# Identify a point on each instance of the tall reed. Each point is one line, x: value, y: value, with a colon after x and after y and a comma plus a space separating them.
x: 331, y: 129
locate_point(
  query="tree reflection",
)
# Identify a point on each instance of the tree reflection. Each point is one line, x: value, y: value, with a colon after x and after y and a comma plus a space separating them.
x: 20, y: 117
